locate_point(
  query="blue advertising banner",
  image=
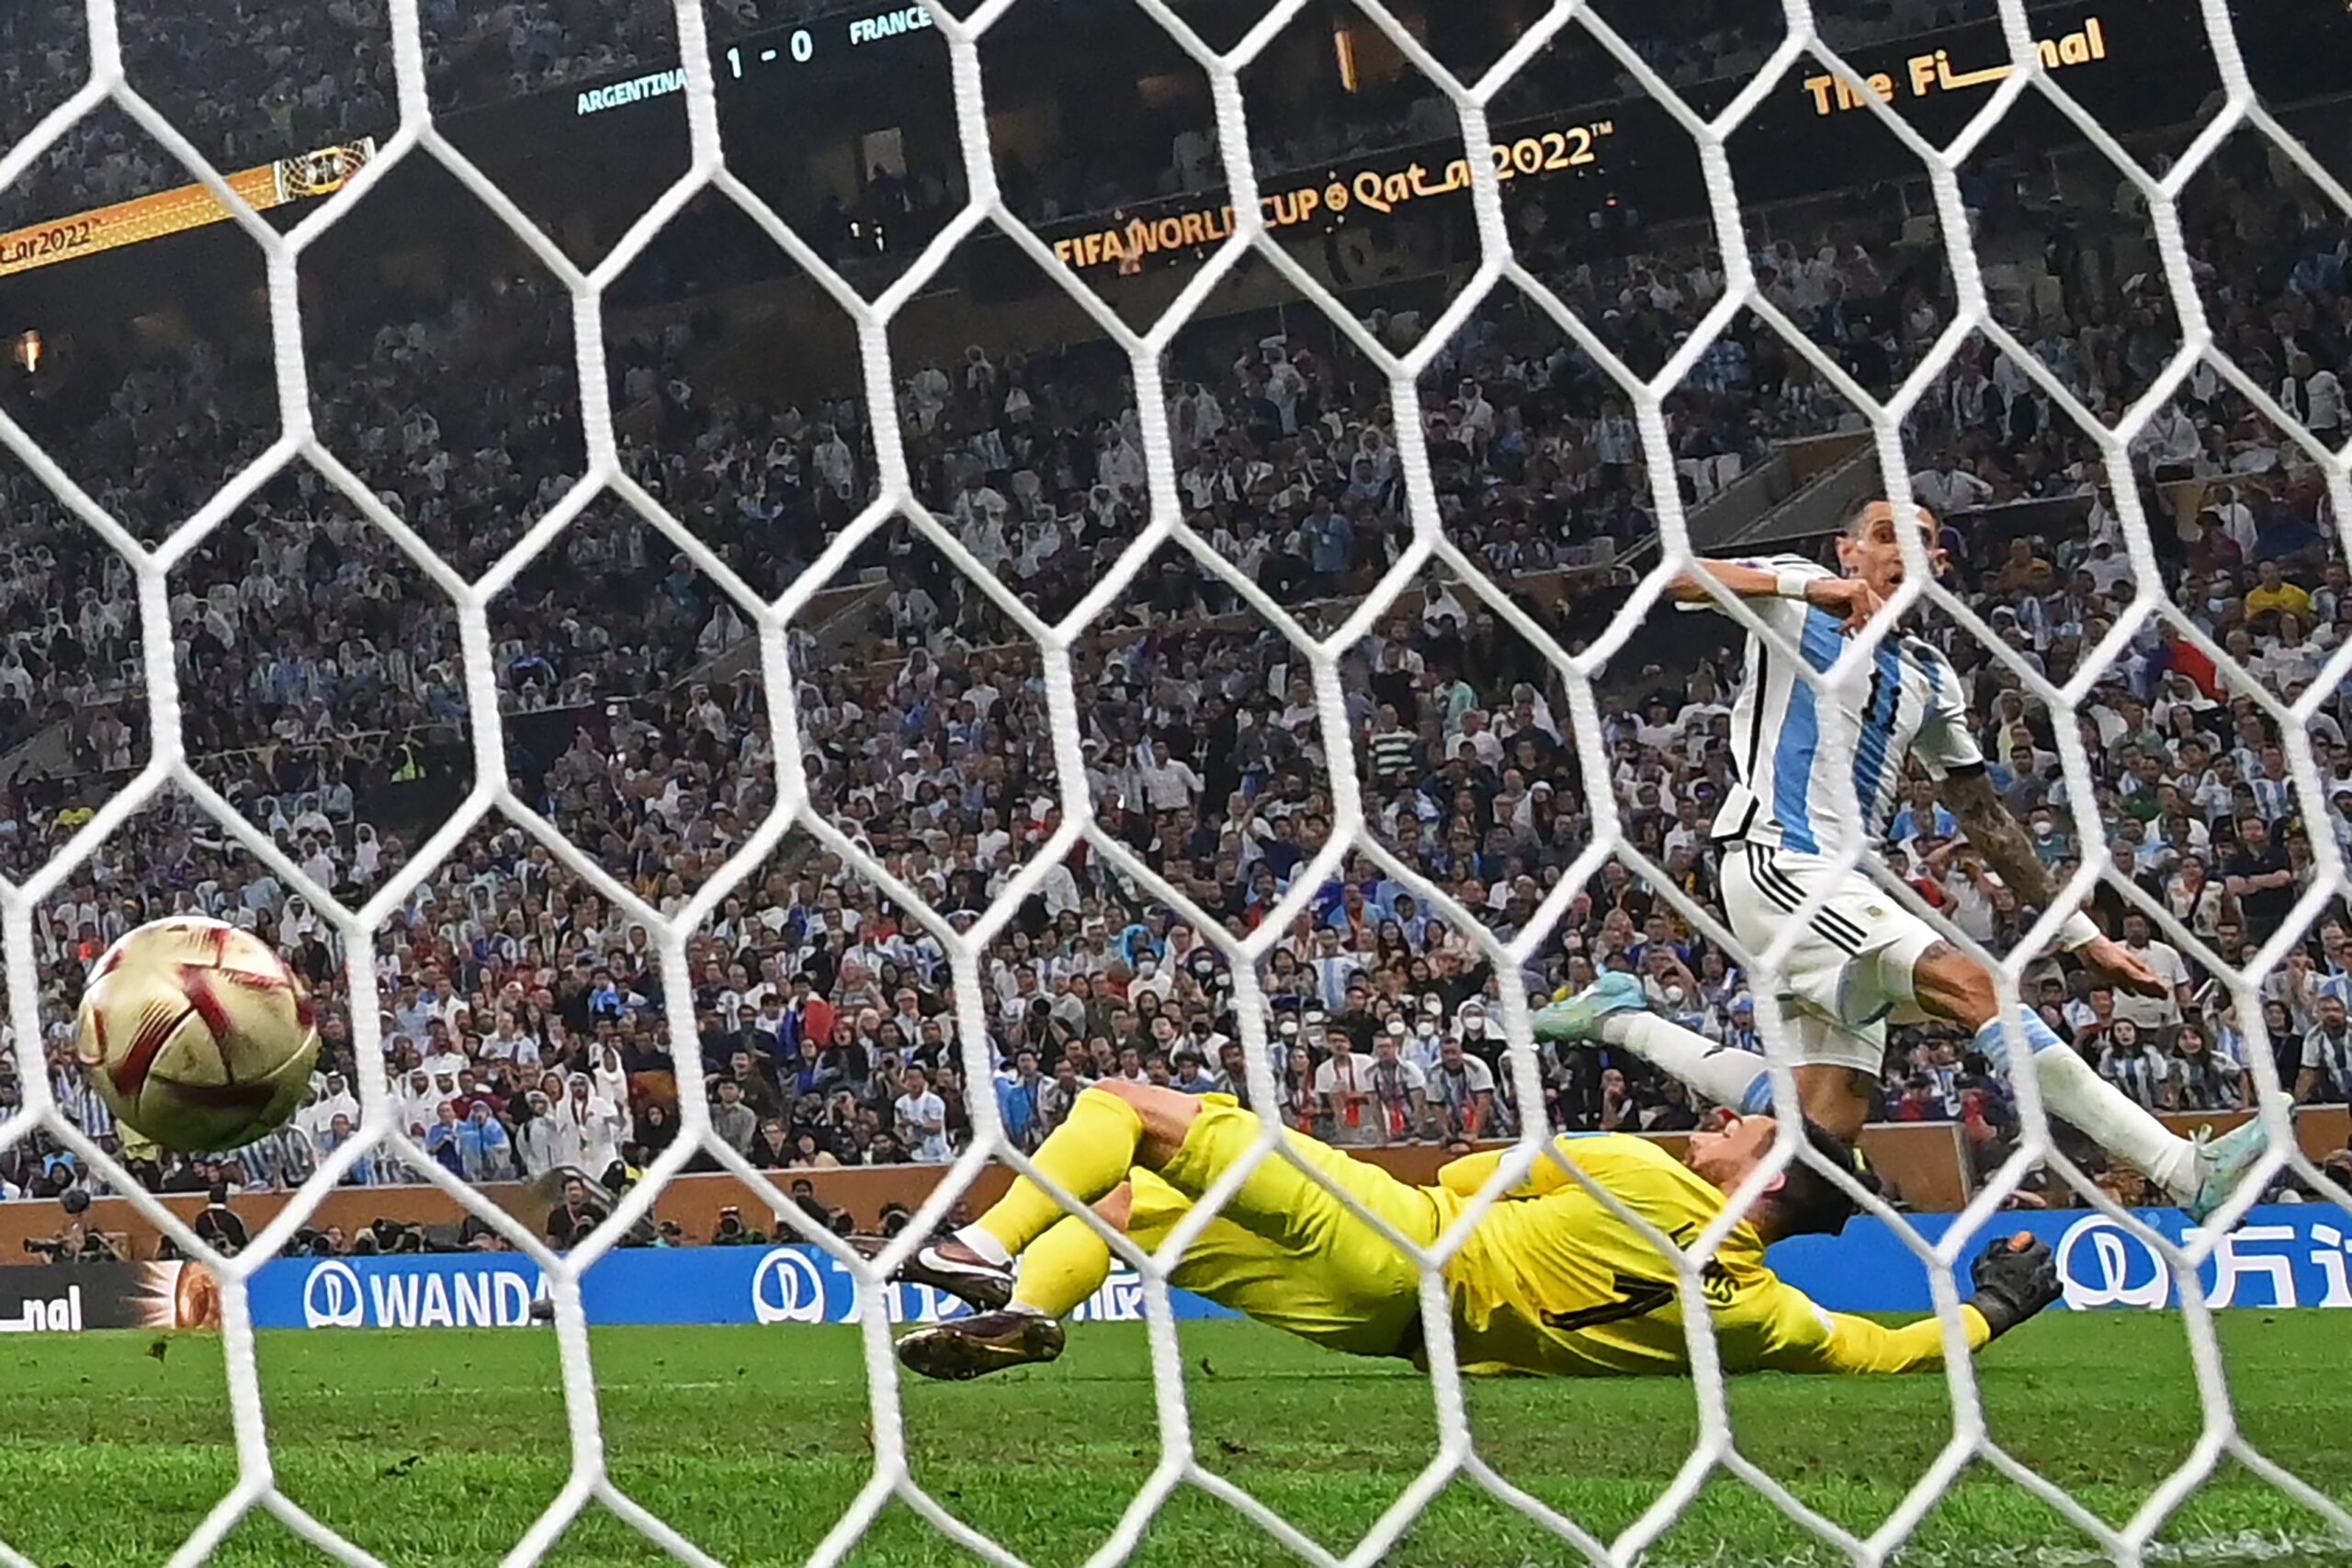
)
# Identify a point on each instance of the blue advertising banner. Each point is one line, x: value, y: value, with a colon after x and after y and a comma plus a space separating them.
x: 649, y: 1285
x: 2281, y: 1255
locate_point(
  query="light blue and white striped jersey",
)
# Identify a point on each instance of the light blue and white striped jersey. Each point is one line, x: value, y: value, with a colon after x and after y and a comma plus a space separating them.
x: 2140, y: 1073
x: 1816, y: 775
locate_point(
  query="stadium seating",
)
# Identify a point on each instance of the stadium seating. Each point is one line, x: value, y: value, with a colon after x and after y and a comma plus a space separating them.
x: 325, y: 696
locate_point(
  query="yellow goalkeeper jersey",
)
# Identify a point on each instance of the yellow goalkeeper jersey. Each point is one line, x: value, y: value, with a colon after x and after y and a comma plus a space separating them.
x: 1551, y: 1284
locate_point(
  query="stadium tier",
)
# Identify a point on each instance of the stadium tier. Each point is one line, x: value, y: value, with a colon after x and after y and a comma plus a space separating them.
x: 773, y: 605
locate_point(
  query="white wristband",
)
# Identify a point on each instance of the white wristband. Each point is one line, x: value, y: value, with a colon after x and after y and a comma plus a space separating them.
x: 2079, y: 930
x: 1790, y: 584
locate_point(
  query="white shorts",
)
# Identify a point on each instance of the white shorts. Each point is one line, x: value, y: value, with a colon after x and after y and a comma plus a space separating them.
x: 1848, y: 970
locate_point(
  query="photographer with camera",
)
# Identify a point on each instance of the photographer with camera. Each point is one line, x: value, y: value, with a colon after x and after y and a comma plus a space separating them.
x: 75, y: 1244
x: 804, y: 1193
x: 395, y: 1235
x: 329, y: 1242
x: 218, y: 1225
x: 731, y: 1231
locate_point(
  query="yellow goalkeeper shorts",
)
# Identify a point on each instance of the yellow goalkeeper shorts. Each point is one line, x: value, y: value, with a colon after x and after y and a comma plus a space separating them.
x: 1284, y: 1249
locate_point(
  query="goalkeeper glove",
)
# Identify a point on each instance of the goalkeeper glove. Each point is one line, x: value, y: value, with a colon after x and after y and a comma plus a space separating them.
x: 2015, y: 1278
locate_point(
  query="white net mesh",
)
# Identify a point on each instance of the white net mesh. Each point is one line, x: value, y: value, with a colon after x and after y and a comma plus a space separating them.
x: 1456, y: 1459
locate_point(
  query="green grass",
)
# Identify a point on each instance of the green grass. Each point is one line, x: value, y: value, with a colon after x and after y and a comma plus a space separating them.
x: 440, y: 1447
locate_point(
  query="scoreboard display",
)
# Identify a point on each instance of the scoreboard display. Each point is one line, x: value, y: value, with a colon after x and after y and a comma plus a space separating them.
x: 762, y: 59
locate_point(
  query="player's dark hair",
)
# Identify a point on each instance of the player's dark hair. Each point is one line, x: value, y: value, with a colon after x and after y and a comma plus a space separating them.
x: 1849, y: 521
x: 1809, y: 1203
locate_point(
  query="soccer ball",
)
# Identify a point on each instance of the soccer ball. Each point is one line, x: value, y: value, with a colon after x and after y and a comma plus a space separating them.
x: 196, y: 1034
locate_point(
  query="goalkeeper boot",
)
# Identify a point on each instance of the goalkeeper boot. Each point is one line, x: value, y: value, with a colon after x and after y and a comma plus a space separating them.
x: 1579, y: 1018
x: 2225, y: 1162
x: 966, y: 1347
x: 946, y: 1265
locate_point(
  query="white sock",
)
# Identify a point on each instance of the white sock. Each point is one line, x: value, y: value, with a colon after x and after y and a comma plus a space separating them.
x: 2108, y: 1116
x: 987, y: 1246
x: 1724, y: 1074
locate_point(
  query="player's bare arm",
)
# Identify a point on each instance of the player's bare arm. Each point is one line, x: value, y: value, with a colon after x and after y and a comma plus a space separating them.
x: 1850, y: 598
x: 2002, y: 840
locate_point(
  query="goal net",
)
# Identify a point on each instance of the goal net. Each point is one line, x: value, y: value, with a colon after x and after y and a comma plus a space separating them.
x: 1307, y: 502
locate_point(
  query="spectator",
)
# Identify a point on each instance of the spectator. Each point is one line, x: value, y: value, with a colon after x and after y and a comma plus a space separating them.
x: 537, y: 1148
x: 588, y: 1127
x: 1399, y: 1090
x: 2206, y: 1081
x: 1345, y: 1090
x: 570, y: 1222
x: 921, y: 1118
x: 2130, y: 1061
x: 2326, y: 1065
x: 733, y: 1123
x: 2150, y: 1015
x: 485, y: 1153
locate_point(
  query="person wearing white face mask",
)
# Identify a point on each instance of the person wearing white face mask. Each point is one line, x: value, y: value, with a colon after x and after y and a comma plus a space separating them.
x: 1423, y: 1047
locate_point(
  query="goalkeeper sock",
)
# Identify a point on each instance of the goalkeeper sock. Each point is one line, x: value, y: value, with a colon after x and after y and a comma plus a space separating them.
x: 1061, y: 1269
x: 2108, y: 1116
x: 1086, y: 1157
x: 1724, y: 1074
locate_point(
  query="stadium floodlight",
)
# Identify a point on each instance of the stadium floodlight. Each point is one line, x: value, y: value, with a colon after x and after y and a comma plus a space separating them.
x: 1457, y: 1460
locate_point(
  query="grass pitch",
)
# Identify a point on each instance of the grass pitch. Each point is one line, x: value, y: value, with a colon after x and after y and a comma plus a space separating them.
x: 441, y: 1446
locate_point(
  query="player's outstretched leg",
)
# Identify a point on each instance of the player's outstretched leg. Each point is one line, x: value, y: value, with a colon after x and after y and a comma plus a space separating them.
x: 1613, y: 1010
x: 1058, y: 1270
x: 2198, y: 1174
x: 1311, y: 1241
x: 947, y: 1266
x: 966, y: 1347
x: 2224, y: 1163
x: 1090, y: 1157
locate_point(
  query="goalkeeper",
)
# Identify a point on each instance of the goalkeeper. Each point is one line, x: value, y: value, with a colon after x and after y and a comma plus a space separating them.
x: 1549, y: 1282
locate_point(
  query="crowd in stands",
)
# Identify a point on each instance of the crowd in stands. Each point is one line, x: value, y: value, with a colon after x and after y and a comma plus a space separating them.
x: 526, y: 1021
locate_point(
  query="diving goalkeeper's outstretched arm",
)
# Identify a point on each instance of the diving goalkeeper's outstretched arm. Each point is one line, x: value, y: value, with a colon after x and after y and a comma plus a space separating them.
x: 2014, y: 1278
x: 1762, y: 1322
